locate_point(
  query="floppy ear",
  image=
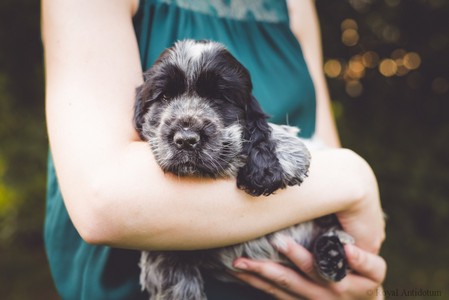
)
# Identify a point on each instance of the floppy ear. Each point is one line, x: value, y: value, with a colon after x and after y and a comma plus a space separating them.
x: 139, y: 110
x: 143, y: 93
x: 262, y: 174
x: 143, y: 101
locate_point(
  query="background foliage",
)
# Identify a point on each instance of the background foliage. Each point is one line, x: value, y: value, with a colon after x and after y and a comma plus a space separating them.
x: 399, y: 122
x: 391, y: 108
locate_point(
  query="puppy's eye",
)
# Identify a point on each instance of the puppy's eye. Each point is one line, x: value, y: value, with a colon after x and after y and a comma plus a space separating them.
x: 164, y: 98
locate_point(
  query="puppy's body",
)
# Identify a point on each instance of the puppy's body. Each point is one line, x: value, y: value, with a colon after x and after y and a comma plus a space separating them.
x: 196, y: 111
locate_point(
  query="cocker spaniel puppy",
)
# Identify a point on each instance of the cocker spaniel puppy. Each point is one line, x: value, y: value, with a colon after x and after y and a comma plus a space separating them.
x: 197, y: 112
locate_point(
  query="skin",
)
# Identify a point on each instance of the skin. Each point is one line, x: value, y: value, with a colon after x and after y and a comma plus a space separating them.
x: 113, y: 189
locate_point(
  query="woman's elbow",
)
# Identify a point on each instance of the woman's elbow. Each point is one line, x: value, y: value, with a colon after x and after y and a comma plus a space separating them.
x: 91, y: 220
x: 361, y: 177
x: 94, y: 234
x: 113, y: 218
x: 93, y: 211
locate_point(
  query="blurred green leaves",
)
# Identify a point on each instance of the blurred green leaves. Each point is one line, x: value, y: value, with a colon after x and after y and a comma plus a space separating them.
x: 23, y: 151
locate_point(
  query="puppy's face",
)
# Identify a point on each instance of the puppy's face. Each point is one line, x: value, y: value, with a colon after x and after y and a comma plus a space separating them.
x: 191, y: 109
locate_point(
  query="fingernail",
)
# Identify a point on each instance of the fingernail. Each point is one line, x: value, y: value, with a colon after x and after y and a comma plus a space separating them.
x: 240, y: 265
x: 350, y: 250
x: 280, y: 243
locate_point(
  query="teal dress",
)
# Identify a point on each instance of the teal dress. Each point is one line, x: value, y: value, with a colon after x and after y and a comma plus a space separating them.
x: 257, y: 33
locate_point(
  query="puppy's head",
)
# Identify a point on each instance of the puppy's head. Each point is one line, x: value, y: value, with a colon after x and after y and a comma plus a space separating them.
x: 196, y: 110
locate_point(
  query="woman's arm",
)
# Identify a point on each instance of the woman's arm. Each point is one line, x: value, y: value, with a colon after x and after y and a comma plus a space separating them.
x: 305, y: 26
x: 113, y: 189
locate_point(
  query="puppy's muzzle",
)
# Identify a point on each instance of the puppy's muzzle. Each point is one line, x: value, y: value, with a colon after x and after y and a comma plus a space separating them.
x: 186, y: 139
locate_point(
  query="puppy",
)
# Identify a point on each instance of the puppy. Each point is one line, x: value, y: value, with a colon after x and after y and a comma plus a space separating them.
x: 197, y: 112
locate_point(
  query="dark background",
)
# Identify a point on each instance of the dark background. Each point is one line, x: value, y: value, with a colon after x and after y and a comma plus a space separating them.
x: 387, y: 67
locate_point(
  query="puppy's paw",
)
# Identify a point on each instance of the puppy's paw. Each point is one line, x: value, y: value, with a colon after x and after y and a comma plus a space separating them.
x: 262, y: 175
x: 330, y: 257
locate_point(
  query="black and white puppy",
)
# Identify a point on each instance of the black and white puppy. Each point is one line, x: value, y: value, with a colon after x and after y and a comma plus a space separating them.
x: 197, y: 112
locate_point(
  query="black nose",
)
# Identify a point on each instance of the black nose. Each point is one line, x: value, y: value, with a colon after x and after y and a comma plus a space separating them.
x: 186, y: 139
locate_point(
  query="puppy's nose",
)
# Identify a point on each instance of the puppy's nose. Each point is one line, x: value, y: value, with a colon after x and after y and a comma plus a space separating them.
x: 186, y: 139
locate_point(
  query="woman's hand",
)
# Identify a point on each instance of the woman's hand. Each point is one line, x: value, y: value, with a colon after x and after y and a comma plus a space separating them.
x: 364, y: 282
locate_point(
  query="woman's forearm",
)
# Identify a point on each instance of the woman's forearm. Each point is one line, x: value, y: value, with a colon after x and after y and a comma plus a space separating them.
x: 133, y: 204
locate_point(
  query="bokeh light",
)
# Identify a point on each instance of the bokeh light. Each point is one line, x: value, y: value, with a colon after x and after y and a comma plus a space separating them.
x: 350, y: 37
x: 388, y: 67
x: 354, y: 88
x: 361, y: 6
x: 332, y: 68
x: 398, y: 57
x: 398, y: 53
x: 349, y: 24
x: 412, y: 60
x: 400, y: 62
x: 402, y: 70
x: 356, y: 69
x: 370, y: 59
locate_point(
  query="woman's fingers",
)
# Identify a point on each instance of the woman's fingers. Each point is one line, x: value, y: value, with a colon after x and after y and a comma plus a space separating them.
x: 362, y: 262
x: 366, y: 264
x: 284, y: 283
x: 299, y: 256
x: 276, y: 278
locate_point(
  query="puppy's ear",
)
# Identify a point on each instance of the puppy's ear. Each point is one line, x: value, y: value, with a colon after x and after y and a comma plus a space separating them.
x: 262, y: 174
x: 143, y: 93
x: 142, y: 102
x: 139, y: 110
